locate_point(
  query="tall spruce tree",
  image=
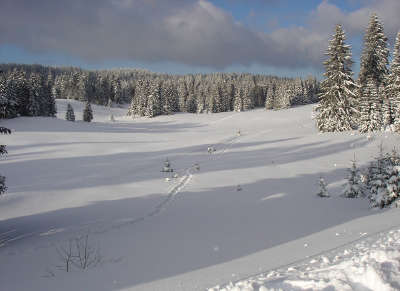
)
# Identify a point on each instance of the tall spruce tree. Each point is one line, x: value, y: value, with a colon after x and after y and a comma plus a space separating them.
x: 393, y: 87
x: 8, y: 98
x: 373, y: 76
x: 35, y: 95
x: 337, y: 109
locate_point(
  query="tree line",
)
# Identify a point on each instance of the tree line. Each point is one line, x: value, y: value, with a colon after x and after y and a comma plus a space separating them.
x: 219, y: 92
x: 27, y: 90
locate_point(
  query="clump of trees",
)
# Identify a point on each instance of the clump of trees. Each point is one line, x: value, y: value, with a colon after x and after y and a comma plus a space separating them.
x: 379, y: 181
x: 25, y: 95
x: 212, y: 93
x: 373, y: 102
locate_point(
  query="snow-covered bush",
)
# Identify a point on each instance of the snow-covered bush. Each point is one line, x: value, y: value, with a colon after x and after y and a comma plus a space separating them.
x: 70, y: 114
x: 323, y: 192
x: 383, y: 179
x: 87, y: 113
x: 353, y: 187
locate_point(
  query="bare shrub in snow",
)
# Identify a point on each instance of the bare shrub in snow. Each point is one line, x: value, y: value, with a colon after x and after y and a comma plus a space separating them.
x: 80, y: 253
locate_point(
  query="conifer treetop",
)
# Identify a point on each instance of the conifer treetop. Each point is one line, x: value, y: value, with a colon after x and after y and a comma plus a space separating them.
x: 375, y: 55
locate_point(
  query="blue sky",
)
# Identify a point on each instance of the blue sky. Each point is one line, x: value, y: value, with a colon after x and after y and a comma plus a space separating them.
x: 286, y: 38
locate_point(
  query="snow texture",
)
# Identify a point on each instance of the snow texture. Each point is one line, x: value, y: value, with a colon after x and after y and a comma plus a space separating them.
x: 368, y: 264
x: 194, y: 230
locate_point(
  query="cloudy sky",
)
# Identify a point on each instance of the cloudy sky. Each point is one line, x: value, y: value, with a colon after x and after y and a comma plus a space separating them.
x: 280, y: 37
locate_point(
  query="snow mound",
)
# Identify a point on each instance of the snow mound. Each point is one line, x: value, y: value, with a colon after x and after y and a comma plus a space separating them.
x: 370, y: 264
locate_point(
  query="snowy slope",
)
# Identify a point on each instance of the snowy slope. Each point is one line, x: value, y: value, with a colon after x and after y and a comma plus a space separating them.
x: 371, y: 263
x: 191, y: 232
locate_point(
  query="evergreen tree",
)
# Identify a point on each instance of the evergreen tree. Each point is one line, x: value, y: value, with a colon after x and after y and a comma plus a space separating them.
x: 270, y: 97
x: 384, y: 179
x: 35, y: 100
x: 87, y: 113
x: 153, y: 100
x: 323, y: 192
x: 371, y: 108
x: 337, y: 110
x: 373, y: 75
x: 70, y: 115
x: 8, y: 98
x: 353, y: 188
x: 151, y: 109
x: 248, y: 98
x: 393, y: 88
x: 21, y: 86
x: 238, y: 101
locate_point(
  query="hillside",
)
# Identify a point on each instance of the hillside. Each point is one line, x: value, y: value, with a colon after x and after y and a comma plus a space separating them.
x: 156, y: 232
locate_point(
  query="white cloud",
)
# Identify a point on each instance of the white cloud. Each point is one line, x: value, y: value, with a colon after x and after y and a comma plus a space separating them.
x: 192, y: 32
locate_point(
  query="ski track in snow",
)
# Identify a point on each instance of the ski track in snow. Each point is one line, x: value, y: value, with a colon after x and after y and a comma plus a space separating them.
x: 101, y: 226
x: 94, y: 227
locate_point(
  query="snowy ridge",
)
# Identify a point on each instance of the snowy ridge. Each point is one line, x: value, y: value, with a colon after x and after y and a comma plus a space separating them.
x: 369, y: 263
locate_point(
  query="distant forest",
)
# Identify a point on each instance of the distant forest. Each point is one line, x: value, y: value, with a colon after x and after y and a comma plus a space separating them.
x: 30, y: 90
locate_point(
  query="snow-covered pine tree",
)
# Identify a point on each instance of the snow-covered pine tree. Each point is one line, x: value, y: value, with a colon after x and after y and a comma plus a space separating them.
x: 183, y: 94
x: 116, y: 90
x: 337, y: 109
x: 238, y: 101
x: 323, y: 192
x: 224, y: 96
x: 35, y: 95
x: 377, y: 177
x: 201, y: 100
x: 384, y: 181
x: 373, y: 74
x: 48, y: 107
x: 282, y: 97
x: 70, y: 115
x: 153, y: 100
x: 213, y: 100
x: 170, y: 98
x: 191, y: 103
x: 393, y: 179
x: 393, y: 87
x: 270, y: 97
x: 248, y: 98
x: 353, y: 187
x: 87, y: 112
x: 151, y: 109
x: 8, y: 98
x: 375, y: 110
x: 139, y: 100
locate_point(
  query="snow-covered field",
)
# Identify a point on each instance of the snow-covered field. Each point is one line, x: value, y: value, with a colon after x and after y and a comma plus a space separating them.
x: 195, y: 231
